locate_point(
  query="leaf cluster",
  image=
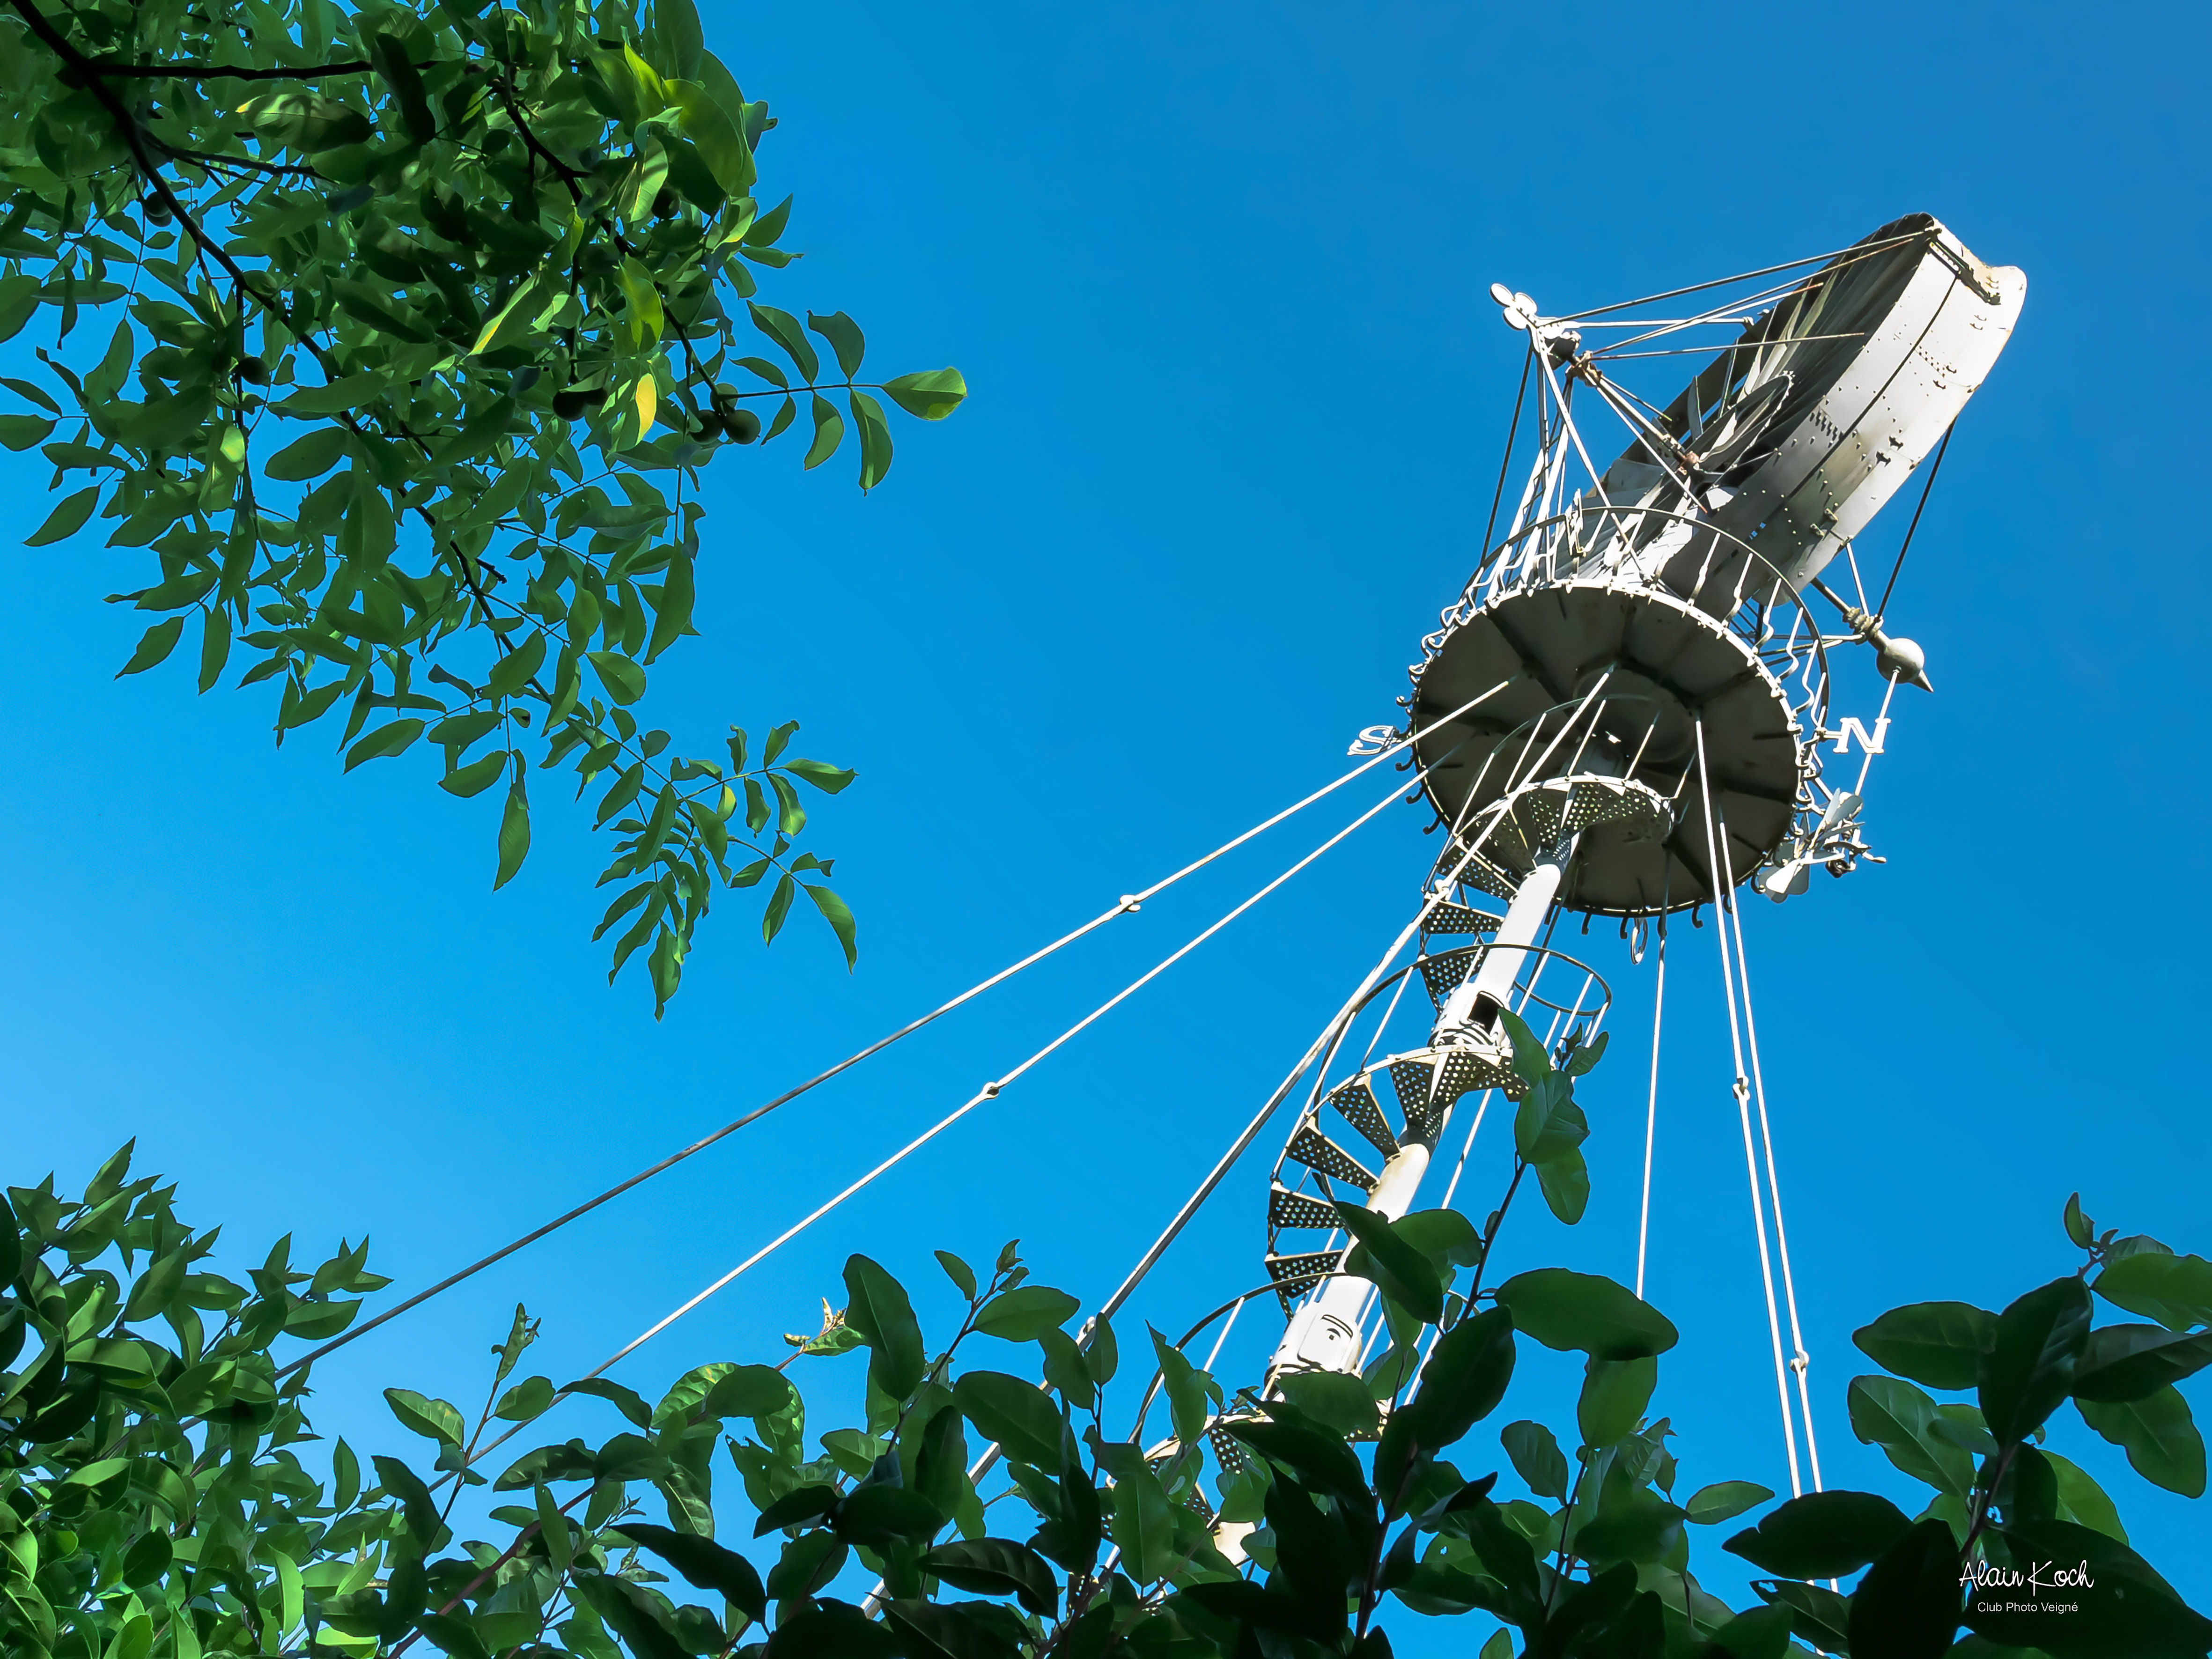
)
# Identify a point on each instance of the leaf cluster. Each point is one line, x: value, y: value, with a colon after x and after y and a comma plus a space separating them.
x: 398, y: 336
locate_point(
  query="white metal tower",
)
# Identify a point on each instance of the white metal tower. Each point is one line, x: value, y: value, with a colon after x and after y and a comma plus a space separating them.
x: 1629, y: 712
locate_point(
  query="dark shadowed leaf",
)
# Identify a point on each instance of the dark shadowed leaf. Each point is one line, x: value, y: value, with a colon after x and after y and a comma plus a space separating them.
x: 2029, y: 1368
x: 996, y: 1566
x: 1586, y: 1312
x: 2126, y: 1362
x: 1821, y: 1535
x: 1900, y: 1420
x: 2158, y: 1435
x: 1016, y: 1414
x: 2125, y: 1609
x: 2174, y: 1290
x: 1939, y: 1344
x: 1907, y: 1607
x: 1399, y: 1270
x: 1537, y: 1458
x: 1724, y: 1500
x: 706, y: 1564
x: 879, y: 1310
x: 1024, y: 1312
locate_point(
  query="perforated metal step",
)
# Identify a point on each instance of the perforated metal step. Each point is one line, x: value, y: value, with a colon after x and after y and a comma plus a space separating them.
x: 1288, y: 1209
x: 1355, y: 1101
x: 1412, y: 1079
x: 1443, y: 974
x: 1464, y: 1070
x: 1310, y: 1147
x: 1294, y: 1275
x: 1459, y: 919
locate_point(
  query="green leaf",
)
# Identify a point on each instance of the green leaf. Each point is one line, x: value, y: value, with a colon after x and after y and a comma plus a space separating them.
x: 1446, y: 1238
x: 931, y: 395
x: 996, y: 1566
x: 1537, y: 1457
x: 1899, y: 1419
x: 2126, y: 1362
x: 476, y: 777
x: 672, y: 616
x: 1587, y: 1312
x: 828, y: 432
x: 844, y: 337
x: 392, y: 740
x: 214, y: 645
x: 2174, y: 1290
x: 513, y: 831
x: 516, y: 669
x: 778, y: 907
x: 782, y: 327
x: 530, y: 304
x: 1025, y: 1312
x: 2029, y: 1369
x: 154, y: 646
x: 876, y: 1516
x: 836, y: 912
x: 1316, y: 1458
x: 2080, y: 1229
x: 705, y: 1563
x: 624, y: 679
x: 1585, y: 1057
x: 1907, y: 1607
x: 2120, y: 1606
x: 1144, y: 1524
x: 66, y: 520
x: 21, y: 431
x: 645, y: 1624
x: 1016, y: 1414
x: 309, y: 457
x: 1465, y: 1377
x: 875, y: 438
x: 797, y: 1507
x: 1188, y: 1408
x: 420, y: 1509
x: 1531, y: 1060
x: 2158, y: 1435
x: 306, y: 121
x: 1817, y: 1614
x: 1565, y: 1181
x: 1333, y: 1398
x: 1547, y: 1124
x: 1822, y: 1534
x: 2082, y: 1499
x: 1940, y: 1344
x: 527, y: 1399
x: 754, y: 1391
x: 1724, y: 1500
x: 627, y: 1401
x: 1615, y: 1392
x: 879, y: 1309
x: 962, y: 1275
x: 1397, y: 1269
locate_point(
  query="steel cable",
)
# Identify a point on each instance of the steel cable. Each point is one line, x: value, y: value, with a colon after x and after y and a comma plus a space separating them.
x: 1127, y: 903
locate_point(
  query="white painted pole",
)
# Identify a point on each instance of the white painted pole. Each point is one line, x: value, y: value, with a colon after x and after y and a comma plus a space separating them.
x: 1324, y: 1333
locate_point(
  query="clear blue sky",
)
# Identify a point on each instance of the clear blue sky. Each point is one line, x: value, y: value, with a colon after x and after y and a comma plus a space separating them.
x: 1216, y: 276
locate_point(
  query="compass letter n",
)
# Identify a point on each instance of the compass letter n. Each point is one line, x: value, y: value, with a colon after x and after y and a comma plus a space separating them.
x: 1870, y: 742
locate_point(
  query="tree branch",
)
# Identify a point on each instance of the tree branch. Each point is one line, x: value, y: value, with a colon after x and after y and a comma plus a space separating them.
x: 223, y: 72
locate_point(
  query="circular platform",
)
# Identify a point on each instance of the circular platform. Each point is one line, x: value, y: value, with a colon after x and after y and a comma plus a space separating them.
x: 1672, y: 665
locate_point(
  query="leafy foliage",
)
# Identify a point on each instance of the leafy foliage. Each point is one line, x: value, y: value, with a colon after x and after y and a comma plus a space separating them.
x: 406, y: 330
x: 159, y: 1504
